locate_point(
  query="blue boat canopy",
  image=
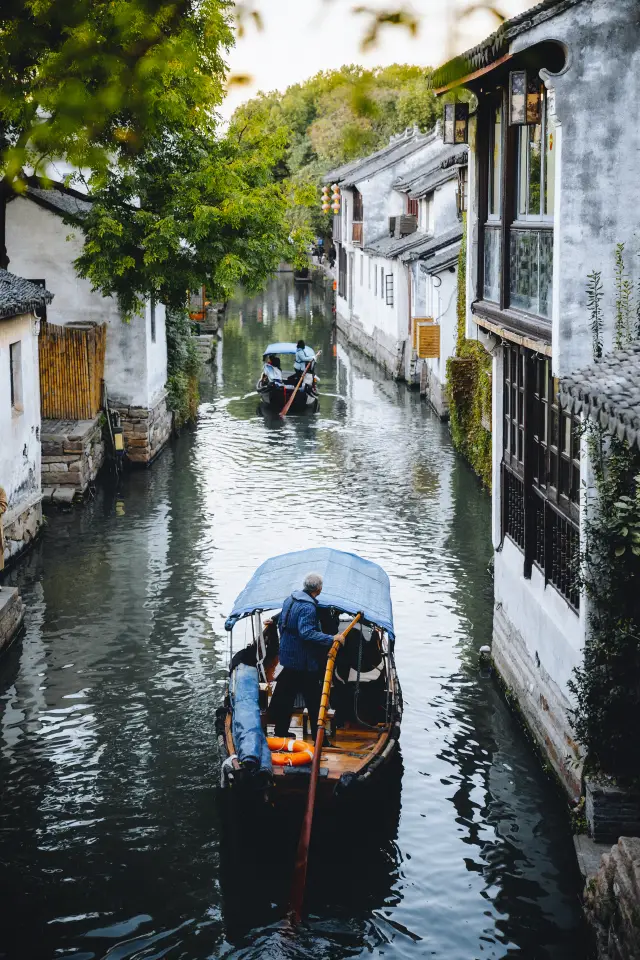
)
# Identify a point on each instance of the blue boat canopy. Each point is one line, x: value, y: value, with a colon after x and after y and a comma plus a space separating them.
x: 351, y: 584
x: 280, y: 348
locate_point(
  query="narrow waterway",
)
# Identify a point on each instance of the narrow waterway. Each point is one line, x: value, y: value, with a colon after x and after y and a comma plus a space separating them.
x: 110, y: 831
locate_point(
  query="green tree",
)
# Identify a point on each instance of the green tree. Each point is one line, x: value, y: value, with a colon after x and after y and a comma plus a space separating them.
x: 193, y: 209
x: 334, y: 117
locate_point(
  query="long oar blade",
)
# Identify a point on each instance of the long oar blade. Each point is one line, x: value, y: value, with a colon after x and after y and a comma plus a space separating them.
x: 302, y: 854
x: 287, y: 406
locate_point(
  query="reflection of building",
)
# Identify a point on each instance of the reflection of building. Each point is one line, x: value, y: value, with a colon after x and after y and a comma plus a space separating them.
x: 41, y: 245
x: 21, y: 303
x: 398, y: 238
x: 549, y: 87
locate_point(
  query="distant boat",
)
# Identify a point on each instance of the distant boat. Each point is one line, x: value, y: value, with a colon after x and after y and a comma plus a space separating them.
x: 303, y: 275
x: 366, y: 699
x: 276, y: 386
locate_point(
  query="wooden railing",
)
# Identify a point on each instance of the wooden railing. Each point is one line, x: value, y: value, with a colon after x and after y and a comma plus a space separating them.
x: 71, y: 370
x: 356, y: 233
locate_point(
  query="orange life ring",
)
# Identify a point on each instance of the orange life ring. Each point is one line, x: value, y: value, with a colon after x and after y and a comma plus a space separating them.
x: 289, y: 753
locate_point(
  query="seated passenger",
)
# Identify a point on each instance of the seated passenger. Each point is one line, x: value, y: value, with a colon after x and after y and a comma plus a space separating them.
x: 275, y: 361
x: 273, y: 373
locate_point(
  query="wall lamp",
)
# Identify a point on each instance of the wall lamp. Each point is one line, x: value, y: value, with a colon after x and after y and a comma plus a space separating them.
x: 525, y: 98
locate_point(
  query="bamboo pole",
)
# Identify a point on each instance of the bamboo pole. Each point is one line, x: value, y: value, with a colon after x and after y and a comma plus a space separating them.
x: 302, y: 855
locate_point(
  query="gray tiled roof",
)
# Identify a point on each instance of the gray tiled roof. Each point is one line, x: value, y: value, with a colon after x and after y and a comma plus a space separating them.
x: 433, y: 173
x: 497, y: 44
x: 608, y: 390
x: 430, y: 245
x: 400, y: 147
x: 20, y: 296
x: 390, y: 247
x: 412, y: 247
x: 443, y: 260
x: 59, y: 199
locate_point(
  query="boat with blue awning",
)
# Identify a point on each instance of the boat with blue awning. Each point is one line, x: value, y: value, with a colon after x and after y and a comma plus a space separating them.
x: 277, y: 384
x: 365, y: 700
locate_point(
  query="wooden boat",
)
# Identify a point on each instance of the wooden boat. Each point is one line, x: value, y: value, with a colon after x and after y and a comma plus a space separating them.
x: 366, y: 702
x: 276, y: 386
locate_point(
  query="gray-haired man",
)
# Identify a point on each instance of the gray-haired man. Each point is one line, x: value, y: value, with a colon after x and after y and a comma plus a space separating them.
x: 303, y: 652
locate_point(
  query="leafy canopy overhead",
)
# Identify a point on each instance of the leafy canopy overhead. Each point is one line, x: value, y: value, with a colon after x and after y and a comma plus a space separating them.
x: 90, y: 81
x: 127, y: 90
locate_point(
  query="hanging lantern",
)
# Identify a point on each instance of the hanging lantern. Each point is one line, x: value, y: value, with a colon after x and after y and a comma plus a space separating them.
x: 335, y: 198
x: 456, y: 123
x: 525, y: 98
x: 325, y: 200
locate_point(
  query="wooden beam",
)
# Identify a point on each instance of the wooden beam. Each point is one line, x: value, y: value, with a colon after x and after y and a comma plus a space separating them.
x: 470, y: 77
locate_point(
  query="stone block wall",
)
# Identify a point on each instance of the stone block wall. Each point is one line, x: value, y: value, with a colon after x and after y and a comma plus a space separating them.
x: 21, y: 525
x: 612, y: 902
x: 146, y: 430
x: 611, y: 811
x: 206, y: 345
x: 11, y: 615
x: 73, y: 452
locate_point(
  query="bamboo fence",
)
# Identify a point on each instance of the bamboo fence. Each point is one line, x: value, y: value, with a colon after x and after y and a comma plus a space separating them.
x: 71, y: 370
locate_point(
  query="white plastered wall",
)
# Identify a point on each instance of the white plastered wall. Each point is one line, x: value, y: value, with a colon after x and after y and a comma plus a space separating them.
x: 20, y: 429
x: 41, y: 246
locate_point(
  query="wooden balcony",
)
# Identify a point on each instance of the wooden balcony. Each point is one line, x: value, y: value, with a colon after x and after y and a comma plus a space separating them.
x: 356, y: 233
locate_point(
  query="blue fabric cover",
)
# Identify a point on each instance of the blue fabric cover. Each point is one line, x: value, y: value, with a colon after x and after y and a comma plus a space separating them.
x: 280, y: 348
x: 248, y: 736
x: 351, y: 584
x: 302, y: 645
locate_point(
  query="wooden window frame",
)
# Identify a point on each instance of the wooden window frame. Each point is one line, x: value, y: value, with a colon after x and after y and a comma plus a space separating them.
x: 538, y: 437
x: 388, y: 289
x: 16, y: 383
x: 501, y: 310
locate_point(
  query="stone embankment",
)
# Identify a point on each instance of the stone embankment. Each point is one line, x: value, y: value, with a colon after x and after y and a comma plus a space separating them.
x: 612, y: 902
x: 73, y: 452
x: 146, y: 429
x: 11, y: 615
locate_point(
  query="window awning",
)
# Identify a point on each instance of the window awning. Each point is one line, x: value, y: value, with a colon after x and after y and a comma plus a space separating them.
x: 495, y: 50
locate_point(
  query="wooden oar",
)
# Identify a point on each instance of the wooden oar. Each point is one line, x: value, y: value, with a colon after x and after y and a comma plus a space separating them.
x: 287, y: 406
x: 302, y: 855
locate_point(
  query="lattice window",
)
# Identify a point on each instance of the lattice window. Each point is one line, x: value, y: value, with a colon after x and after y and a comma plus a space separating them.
x: 540, y: 471
x: 388, y: 292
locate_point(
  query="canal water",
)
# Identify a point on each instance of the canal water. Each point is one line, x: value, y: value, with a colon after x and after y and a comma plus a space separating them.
x: 112, y: 837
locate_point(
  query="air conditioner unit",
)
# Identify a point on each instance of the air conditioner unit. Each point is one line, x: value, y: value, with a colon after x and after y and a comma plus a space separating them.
x: 405, y: 225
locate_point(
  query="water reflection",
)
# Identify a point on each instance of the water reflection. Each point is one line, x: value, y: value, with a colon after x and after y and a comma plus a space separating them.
x: 114, y: 844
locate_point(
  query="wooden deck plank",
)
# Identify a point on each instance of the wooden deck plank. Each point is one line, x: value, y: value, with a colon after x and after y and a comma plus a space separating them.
x: 354, y: 747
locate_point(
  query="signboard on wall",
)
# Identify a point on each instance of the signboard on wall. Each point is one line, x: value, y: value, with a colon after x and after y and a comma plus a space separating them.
x: 426, y: 338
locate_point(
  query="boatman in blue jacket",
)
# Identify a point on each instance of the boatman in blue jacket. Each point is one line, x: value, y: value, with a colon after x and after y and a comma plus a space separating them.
x: 303, y: 655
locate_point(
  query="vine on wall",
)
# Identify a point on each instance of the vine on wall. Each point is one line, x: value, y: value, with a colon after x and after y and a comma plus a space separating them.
x: 182, y: 368
x: 469, y: 387
x: 607, y: 685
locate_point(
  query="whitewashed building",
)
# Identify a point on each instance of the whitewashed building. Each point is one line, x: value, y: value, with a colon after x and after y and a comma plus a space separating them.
x: 43, y: 238
x: 397, y: 241
x: 21, y: 305
x: 552, y: 189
